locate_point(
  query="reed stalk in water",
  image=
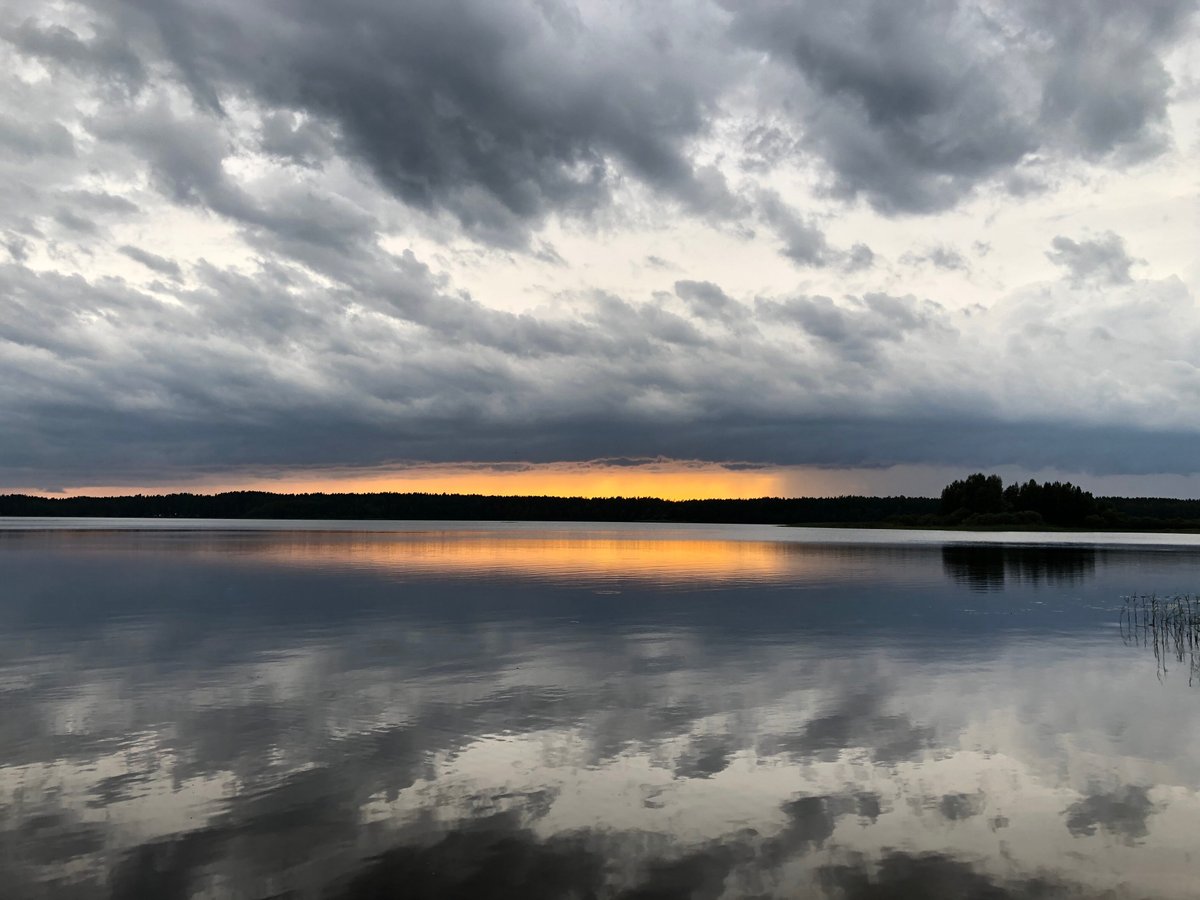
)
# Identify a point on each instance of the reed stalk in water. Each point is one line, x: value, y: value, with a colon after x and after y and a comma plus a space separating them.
x: 1170, y: 626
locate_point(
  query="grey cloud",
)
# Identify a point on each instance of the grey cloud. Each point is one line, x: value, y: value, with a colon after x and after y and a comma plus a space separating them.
x: 908, y: 118
x: 640, y: 327
x: 45, y: 174
x: 914, y: 107
x: 303, y: 142
x: 546, y: 252
x: 492, y: 119
x: 152, y: 261
x: 858, y: 258
x: 766, y: 145
x: 185, y: 155
x: 496, y: 115
x: 803, y: 242
x: 35, y: 139
x: 17, y: 247
x: 107, y: 54
x: 942, y: 257
x: 706, y: 301
x: 376, y: 359
x: 1103, y: 259
x: 1105, y: 84
x: 496, y: 118
x: 100, y: 202
x: 859, y: 327
x: 74, y: 222
x: 819, y: 316
x: 304, y: 222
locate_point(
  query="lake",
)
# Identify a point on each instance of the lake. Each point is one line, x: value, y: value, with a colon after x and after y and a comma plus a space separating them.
x: 446, y: 710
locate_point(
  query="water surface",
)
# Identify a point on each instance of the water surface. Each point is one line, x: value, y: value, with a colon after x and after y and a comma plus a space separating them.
x: 348, y: 710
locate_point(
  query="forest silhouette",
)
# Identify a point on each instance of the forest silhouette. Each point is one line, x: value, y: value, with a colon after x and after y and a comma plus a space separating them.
x: 978, y: 501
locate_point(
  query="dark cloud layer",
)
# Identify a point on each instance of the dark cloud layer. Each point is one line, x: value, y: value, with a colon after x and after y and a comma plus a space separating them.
x: 501, y: 115
x: 395, y: 367
x: 496, y: 114
x: 312, y: 144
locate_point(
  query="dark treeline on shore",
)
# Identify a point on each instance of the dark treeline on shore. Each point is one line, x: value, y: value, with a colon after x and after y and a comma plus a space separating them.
x: 979, y: 501
x: 982, y: 501
x: 261, y: 505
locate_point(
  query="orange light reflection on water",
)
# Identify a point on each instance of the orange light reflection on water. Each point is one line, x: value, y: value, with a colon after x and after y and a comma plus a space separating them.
x: 660, y: 554
x: 664, y: 560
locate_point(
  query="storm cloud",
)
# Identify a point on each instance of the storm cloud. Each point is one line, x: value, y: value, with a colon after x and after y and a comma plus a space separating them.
x: 241, y: 236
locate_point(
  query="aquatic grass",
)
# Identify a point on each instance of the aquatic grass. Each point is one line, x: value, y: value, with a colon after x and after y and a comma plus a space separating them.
x: 1170, y: 626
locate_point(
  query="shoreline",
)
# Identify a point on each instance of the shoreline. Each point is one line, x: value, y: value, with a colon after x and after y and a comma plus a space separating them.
x: 986, y: 529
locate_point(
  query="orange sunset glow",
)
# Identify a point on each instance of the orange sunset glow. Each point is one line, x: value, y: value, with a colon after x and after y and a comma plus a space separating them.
x: 668, y: 480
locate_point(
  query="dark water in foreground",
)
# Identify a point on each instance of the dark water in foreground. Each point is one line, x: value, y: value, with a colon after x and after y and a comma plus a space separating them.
x: 544, y: 712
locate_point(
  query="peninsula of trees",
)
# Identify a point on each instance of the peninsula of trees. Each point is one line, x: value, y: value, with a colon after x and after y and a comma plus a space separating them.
x: 977, y: 502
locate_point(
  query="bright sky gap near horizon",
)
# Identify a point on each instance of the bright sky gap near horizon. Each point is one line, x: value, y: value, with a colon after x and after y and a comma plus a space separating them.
x: 685, y: 248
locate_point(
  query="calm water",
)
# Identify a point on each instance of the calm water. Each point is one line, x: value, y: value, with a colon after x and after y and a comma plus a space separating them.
x: 532, y: 711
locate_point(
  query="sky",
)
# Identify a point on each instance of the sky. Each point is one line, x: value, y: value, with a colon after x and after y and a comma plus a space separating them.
x: 681, y: 247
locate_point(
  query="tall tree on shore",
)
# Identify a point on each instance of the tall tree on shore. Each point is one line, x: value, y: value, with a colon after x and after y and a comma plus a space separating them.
x: 976, y: 494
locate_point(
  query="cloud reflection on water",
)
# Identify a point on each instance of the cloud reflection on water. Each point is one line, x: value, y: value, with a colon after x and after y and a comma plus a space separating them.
x: 196, y: 722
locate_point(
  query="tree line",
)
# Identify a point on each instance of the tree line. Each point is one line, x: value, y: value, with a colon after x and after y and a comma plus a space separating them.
x: 977, y: 501
x: 263, y: 505
x: 984, y: 500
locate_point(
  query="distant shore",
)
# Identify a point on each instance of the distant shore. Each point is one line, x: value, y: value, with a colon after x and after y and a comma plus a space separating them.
x: 1140, y: 528
x: 1121, y: 513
